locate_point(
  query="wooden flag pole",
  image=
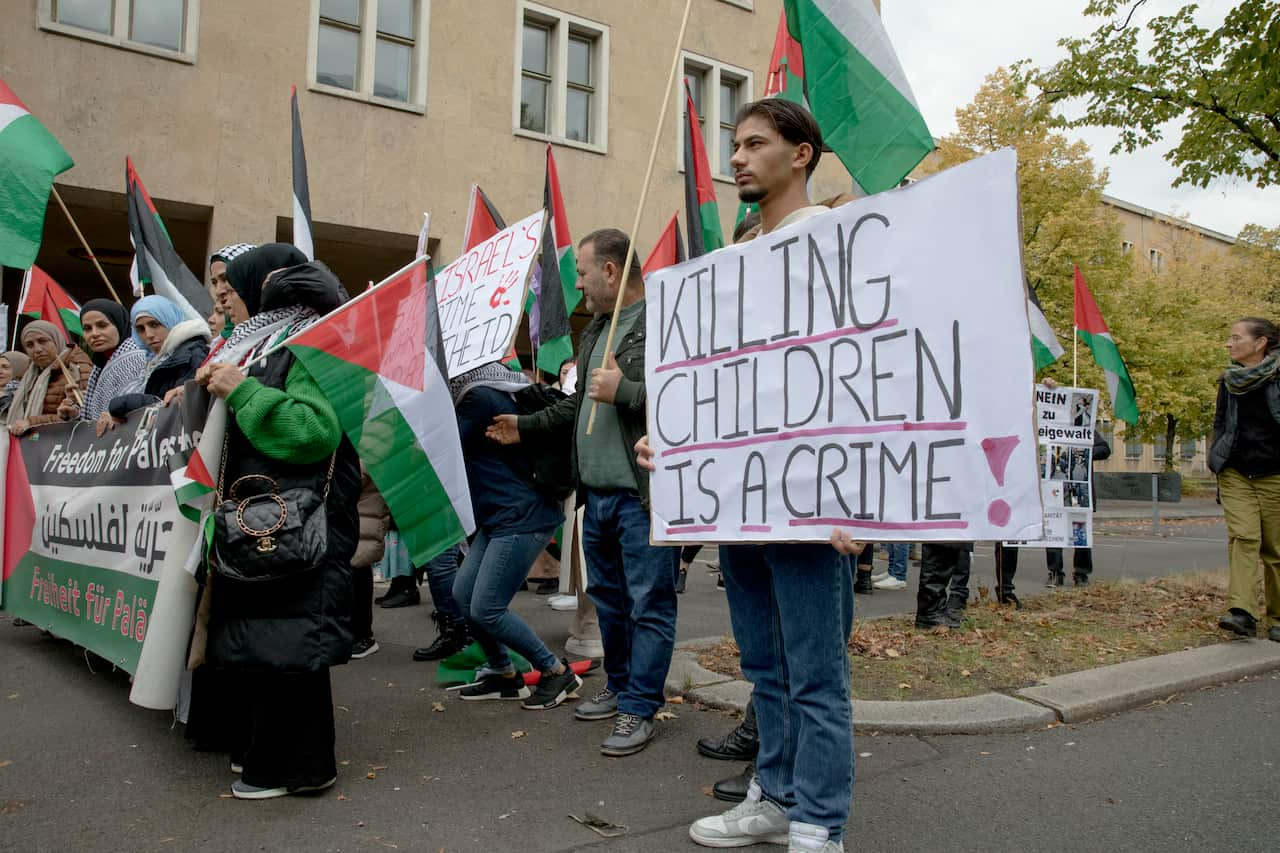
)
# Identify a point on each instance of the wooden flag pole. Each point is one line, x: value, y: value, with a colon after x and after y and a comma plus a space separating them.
x: 85, y: 243
x: 644, y: 192
x: 74, y: 387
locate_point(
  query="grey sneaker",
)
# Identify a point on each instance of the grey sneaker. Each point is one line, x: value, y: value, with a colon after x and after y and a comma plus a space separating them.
x: 631, y: 733
x: 752, y: 821
x: 601, y: 706
x: 808, y: 838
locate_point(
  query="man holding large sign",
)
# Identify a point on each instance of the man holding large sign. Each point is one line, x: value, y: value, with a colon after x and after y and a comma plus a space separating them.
x: 865, y: 368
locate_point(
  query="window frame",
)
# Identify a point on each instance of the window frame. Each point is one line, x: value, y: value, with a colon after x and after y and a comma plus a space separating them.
x: 120, y: 28
x: 561, y: 26
x: 1126, y: 246
x: 366, y: 57
x: 712, y: 71
x: 1155, y: 258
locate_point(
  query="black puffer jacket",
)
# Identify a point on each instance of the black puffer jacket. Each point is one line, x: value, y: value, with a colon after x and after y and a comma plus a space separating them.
x: 184, y: 350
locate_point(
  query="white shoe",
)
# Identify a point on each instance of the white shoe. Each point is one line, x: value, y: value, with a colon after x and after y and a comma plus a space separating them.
x: 561, y: 601
x: 879, y: 576
x: 584, y: 648
x: 753, y: 821
x: 808, y: 838
x: 890, y: 583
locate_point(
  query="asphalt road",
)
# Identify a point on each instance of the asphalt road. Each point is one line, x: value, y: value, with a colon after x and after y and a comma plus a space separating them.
x: 82, y: 769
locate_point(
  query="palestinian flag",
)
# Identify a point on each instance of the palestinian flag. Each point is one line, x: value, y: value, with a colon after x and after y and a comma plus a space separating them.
x: 19, y: 508
x: 549, y: 328
x: 155, y: 261
x: 786, y: 67
x: 483, y: 220
x: 193, y: 474
x: 301, y: 193
x: 30, y: 158
x: 669, y: 250
x: 1045, y: 349
x: 1092, y: 329
x: 857, y: 90
x: 701, y: 213
x: 379, y: 360
x: 42, y: 297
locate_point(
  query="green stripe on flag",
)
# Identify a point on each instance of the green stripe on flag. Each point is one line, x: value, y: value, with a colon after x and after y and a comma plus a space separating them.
x: 1124, y: 400
x: 712, y: 235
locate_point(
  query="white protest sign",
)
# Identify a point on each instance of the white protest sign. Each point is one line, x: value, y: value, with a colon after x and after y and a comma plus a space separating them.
x: 1064, y: 425
x: 481, y: 295
x: 868, y: 368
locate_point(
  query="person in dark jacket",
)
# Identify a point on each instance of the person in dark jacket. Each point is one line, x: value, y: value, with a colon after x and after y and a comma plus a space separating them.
x: 632, y: 582
x: 1245, y: 454
x: 175, y: 347
x: 280, y: 637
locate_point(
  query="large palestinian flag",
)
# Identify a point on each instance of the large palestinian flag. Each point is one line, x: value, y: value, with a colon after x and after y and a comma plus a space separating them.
x: 40, y: 293
x: 380, y: 362
x: 155, y: 261
x: 701, y: 212
x: 857, y: 89
x: 558, y: 294
x: 30, y: 158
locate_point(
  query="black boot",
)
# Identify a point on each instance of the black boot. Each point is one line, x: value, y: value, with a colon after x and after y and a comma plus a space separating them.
x: 453, y: 638
x: 402, y: 594
x: 742, y: 742
x: 734, y: 789
x: 862, y: 583
x: 1010, y: 598
x: 956, y: 605
x: 936, y: 569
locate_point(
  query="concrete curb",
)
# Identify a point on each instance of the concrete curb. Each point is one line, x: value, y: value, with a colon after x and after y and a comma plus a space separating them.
x: 1080, y: 696
x: 1072, y: 698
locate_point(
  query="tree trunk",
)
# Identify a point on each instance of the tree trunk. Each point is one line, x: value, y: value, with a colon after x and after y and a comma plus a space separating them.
x: 1171, y: 453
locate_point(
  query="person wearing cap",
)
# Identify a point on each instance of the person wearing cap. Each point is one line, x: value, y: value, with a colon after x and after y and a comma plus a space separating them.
x: 47, y: 383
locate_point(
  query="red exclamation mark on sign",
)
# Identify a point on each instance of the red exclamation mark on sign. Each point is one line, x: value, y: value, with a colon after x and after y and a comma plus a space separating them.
x: 998, y: 451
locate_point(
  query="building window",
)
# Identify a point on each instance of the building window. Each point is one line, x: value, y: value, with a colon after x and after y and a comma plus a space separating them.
x: 372, y: 50
x: 1126, y: 247
x: 1156, y: 258
x: 1158, y: 450
x: 1189, y: 449
x: 562, y: 77
x: 1132, y: 450
x: 718, y: 90
x: 164, y: 28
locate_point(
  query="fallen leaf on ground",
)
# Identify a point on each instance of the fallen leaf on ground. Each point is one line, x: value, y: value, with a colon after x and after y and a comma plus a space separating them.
x: 902, y: 685
x: 371, y: 775
x: 377, y: 767
x: 600, y: 826
x: 663, y: 716
x: 225, y: 796
x: 518, y: 734
x: 966, y: 673
x: 892, y: 653
x: 438, y: 707
x: 676, y: 700
x: 343, y: 797
x: 5, y: 763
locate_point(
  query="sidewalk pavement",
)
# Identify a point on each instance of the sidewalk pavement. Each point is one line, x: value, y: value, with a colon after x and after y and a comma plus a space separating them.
x: 1118, y: 510
x: 1072, y: 698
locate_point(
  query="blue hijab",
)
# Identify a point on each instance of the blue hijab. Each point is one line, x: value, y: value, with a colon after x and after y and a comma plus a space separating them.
x: 159, y: 308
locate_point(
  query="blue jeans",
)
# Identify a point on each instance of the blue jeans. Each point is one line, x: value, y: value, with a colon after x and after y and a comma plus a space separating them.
x: 898, y: 552
x: 441, y: 572
x: 790, y: 607
x: 633, y: 585
x: 494, y: 570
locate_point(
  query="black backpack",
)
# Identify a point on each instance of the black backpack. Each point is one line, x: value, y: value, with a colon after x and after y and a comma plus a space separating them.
x: 550, y: 460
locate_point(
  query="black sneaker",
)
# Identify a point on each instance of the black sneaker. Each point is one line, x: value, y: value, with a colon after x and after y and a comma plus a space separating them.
x: 363, y: 648
x: 1240, y: 622
x: 554, y: 689
x: 494, y: 686
x: 404, y: 598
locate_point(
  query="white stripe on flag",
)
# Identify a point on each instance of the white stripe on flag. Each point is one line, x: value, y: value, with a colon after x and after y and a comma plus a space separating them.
x: 10, y: 113
x: 302, y: 231
x: 860, y: 24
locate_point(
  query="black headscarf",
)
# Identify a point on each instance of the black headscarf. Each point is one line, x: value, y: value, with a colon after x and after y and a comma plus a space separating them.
x: 119, y: 317
x: 246, y: 272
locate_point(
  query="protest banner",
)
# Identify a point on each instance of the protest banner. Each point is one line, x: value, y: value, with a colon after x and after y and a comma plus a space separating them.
x: 94, y: 542
x: 868, y: 368
x: 482, y: 294
x: 1065, y: 423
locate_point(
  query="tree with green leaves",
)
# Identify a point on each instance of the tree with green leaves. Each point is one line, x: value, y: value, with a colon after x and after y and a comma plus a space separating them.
x: 1223, y: 84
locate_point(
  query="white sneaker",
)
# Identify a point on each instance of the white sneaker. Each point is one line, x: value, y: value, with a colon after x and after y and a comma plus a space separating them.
x: 562, y: 602
x: 584, y: 648
x: 753, y: 821
x: 890, y: 583
x: 879, y: 576
x: 808, y: 838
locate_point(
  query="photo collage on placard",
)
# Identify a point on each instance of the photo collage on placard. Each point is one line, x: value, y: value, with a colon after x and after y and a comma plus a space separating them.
x: 1065, y: 418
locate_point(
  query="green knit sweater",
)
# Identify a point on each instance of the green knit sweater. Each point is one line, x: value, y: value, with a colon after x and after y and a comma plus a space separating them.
x: 293, y: 425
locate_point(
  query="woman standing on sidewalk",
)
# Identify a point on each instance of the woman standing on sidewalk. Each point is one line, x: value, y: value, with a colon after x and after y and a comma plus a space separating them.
x: 1245, y: 454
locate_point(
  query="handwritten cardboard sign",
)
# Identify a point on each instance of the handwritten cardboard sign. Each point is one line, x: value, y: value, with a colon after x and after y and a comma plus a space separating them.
x: 868, y: 368
x: 1065, y: 423
x: 482, y: 293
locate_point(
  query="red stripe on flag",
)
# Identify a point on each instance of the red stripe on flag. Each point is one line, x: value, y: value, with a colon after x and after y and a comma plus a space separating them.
x: 1088, y: 317
x: 668, y: 251
x: 198, y: 471
x: 135, y: 185
x: 558, y: 216
x: 49, y: 313
x: 787, y: 56
x: 8, y: 96
x: 19, y: 509
x: 483, y: 220
x: 701, y: 168
x: 41, y: 285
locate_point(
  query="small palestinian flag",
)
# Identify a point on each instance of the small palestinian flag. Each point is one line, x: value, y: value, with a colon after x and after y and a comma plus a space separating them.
x: 1092, y: 329
x: 701, y: 212
x: 669, y: 250
x: 786, y: 67
x: 558, y: 295
x: 193, y: 474
x: 483, y: 220
x: 1045, y: 348
x: 301, y: 193
x: 30, y: 158
x: 155, y: 261
x: 42, y: 297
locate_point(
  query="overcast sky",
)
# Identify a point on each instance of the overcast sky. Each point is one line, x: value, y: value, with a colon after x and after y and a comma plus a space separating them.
x: 947, y: 48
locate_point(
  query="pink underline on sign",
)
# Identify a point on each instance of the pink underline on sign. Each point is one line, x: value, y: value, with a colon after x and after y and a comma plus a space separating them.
x: 788, y: 342
x: 697, y: 528
x: 900, y: 426
x: 755, y: 528
x: 879, y: 525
